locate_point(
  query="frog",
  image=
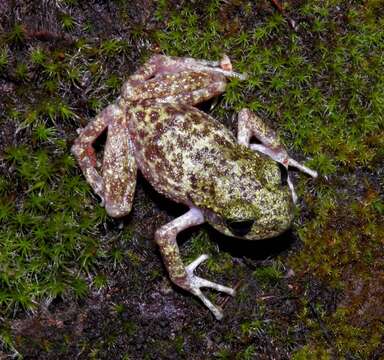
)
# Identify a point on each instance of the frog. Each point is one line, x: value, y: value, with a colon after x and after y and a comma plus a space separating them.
x: 239, y: 184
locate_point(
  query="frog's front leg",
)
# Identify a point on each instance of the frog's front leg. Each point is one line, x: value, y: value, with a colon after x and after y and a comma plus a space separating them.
x: 250, y: 125
x: 83, y: 149
x: 119, y: 169
x: 179, y: 274
x: 117, y: 183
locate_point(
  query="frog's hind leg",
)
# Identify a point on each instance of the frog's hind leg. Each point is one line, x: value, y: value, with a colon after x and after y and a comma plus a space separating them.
x: 223, y: 66
x: 250, y: 125
x: 197, y: 96
x: 119, y: 169
x: 179, y: 274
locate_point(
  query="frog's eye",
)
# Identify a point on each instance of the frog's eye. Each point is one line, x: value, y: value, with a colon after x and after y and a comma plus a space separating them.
x: 240, y: 228
x: 284, y: 174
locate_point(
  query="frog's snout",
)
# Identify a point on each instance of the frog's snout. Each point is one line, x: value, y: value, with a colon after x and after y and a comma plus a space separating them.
x: 240, y: 228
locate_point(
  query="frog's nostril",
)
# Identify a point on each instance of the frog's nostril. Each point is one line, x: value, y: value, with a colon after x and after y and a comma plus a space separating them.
x: 240, y: 228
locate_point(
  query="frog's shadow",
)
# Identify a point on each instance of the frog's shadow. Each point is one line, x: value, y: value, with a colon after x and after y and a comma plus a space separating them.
x: 253, y: 249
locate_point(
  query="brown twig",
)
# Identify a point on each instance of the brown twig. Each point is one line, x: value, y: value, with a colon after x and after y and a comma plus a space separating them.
x: 279, y: 7
x: 44, y: 35
x: 224, y: 301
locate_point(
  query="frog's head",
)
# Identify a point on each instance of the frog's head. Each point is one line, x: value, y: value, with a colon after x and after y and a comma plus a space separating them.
x: 267, y: 215
x: 251, y: 203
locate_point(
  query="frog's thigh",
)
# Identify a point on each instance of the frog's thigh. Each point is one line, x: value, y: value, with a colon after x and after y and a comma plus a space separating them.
x: 119, y: 171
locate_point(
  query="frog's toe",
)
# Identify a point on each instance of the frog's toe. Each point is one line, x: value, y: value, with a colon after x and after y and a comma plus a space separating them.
x: 196, y: 282
x: 200, y: 282
x: 303, y: 168
x: 194, y: 264
x: 217, y: 312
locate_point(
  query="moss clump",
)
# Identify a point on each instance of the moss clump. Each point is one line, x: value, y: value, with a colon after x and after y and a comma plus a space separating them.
x: 268, y: 275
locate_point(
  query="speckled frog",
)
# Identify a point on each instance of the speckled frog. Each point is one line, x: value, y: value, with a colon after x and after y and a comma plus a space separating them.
x: 241, y: 188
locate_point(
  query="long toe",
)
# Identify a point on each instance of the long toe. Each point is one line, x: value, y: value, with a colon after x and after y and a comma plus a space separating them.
x: 216, y: 311
x: 194, y: 264
x: 209, y: 284
x: 303, y: 168
x: 196, y: 283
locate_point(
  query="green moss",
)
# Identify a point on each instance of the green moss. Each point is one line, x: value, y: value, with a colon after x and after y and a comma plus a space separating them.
x: 311, y: 353
x: 42, y: 235
x: 252, y: 328
x: 67, y: 22
x: 52, y: 70
x: 16, y: 35
x: 248, y: 354
x: 21, y: 72
x: 329, y: 249
x: 3, y: 59
x: 114, y: 82
x: 199, y: 244
x: 268, y: 275
x: 43, y: 133
x: 112, y: 47
x: 37, y: 56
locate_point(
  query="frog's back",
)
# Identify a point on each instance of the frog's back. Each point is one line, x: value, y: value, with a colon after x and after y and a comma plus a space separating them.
x: 178, y: 146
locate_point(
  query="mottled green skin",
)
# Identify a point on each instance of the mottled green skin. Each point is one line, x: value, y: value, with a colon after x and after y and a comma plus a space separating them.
x: 193, y: 159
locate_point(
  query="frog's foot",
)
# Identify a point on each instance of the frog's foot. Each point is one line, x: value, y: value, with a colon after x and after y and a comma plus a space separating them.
x: 195, y: 283
x: 280, y: 155
x: 225, y: 63
x: 180, y: 274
